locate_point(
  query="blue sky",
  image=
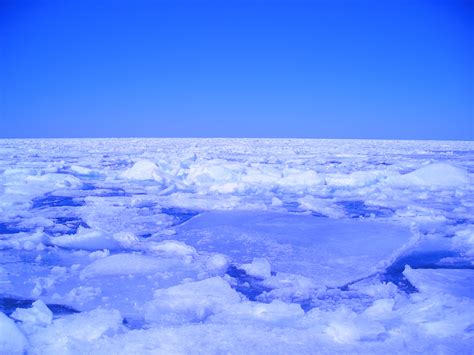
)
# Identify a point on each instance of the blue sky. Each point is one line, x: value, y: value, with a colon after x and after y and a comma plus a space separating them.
x: 237, y: 68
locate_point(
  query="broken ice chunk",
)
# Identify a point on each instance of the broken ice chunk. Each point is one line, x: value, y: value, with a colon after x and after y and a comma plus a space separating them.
x: 38, y: 314
x: 190, y: 302
x: 259, y: 268
x: 143, y: 170
x: 12, y: 340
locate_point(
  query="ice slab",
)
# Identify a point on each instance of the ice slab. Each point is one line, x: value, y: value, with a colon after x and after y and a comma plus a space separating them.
x: 332, y: 252
x: 125, y: 264
x: 456, y: 282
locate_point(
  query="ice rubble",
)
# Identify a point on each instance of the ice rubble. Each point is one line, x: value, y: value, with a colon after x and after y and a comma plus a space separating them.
x: 236, y: 246
x: 230, y: 325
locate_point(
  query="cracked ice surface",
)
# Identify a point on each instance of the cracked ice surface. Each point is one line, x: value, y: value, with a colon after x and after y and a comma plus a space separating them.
x: 236, y: 246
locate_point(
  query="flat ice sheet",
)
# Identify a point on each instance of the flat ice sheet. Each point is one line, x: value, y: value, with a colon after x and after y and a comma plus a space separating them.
x: 332, y: 252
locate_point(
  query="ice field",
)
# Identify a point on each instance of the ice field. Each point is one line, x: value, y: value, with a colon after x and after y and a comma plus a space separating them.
x: 238, y: 246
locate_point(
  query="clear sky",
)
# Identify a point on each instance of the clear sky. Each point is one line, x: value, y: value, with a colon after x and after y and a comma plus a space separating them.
x: 237, y: 68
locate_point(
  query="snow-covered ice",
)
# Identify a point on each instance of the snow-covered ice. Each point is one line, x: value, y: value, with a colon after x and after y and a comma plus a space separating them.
x: 236, y: 246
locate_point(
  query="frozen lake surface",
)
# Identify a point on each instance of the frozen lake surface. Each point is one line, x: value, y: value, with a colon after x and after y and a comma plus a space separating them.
x: 236, y: 246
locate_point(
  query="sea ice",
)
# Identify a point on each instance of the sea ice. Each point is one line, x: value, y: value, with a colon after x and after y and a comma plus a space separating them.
x: 239, y: 246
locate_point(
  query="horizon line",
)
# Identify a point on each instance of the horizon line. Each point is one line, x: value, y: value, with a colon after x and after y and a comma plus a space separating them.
x: 246, y: 138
